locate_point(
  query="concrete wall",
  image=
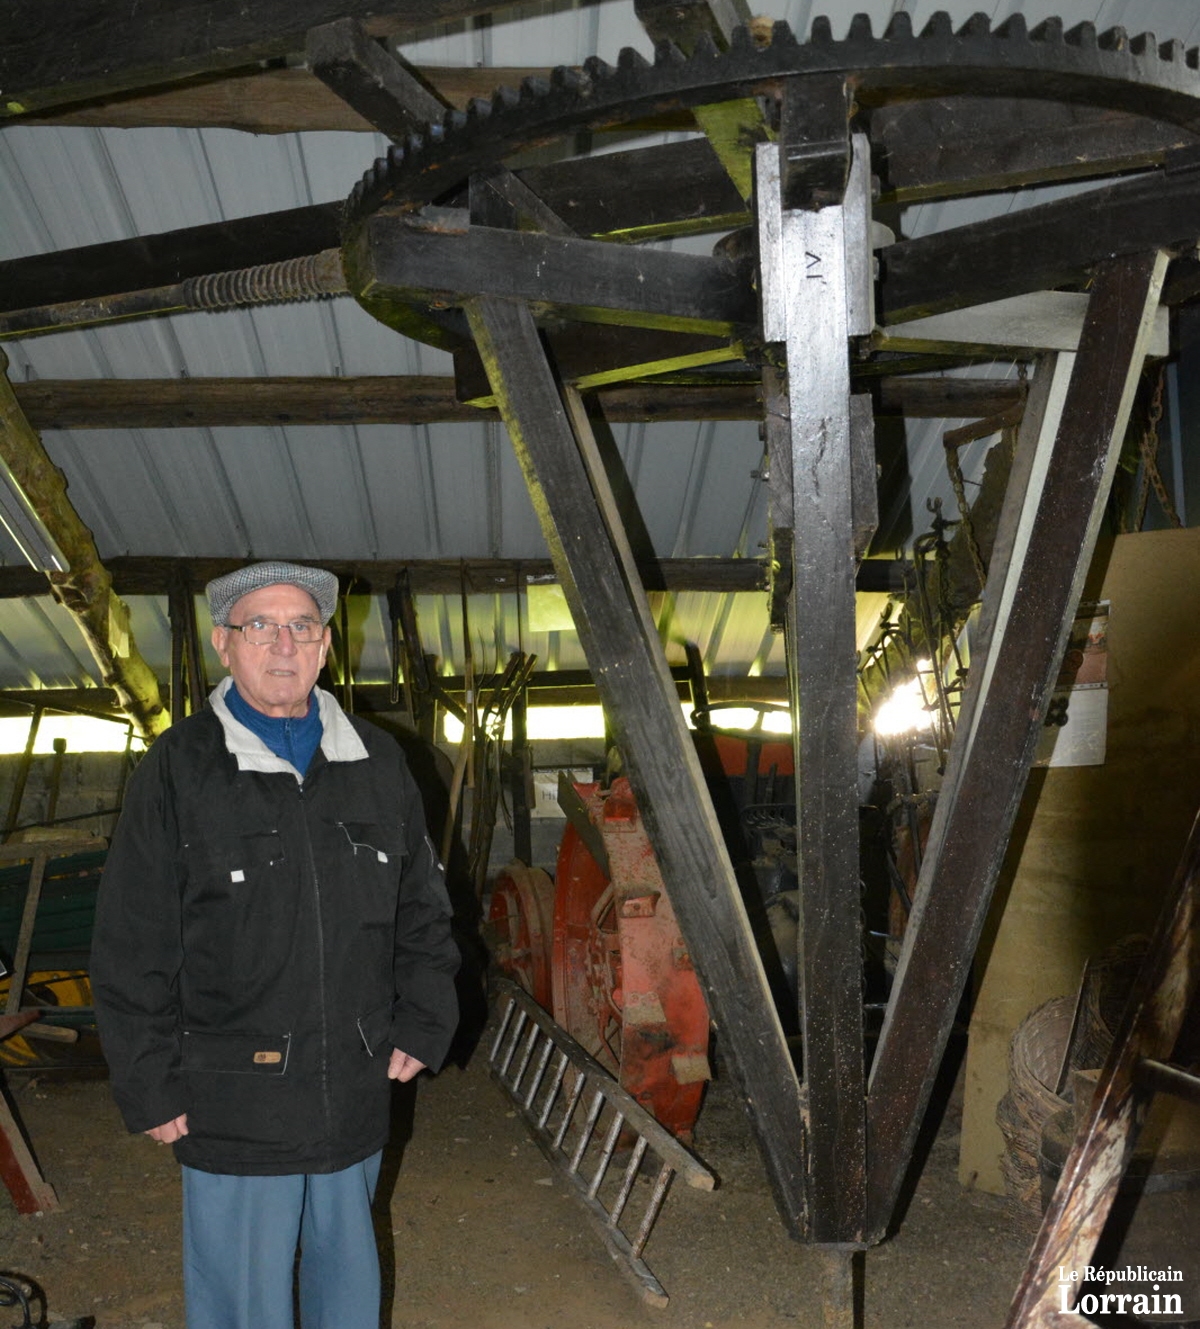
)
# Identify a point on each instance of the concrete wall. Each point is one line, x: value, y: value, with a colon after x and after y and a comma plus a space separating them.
x: 1095, y: 847
x: 89, y: 784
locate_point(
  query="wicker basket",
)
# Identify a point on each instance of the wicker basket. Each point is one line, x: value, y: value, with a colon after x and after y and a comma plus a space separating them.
x: 1034, y: 1062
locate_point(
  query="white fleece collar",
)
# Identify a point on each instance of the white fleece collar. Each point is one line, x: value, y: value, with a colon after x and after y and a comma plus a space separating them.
x: 339, y: 741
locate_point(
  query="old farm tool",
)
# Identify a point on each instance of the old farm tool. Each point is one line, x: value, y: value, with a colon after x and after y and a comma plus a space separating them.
x: 600, y: 949
x: 520, y: 918
x: 1160, y: 1021
x: 615, y: 1155
x: 623, y: 983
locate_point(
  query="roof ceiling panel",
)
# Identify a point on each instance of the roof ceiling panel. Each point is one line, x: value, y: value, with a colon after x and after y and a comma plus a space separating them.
x: 394, y: 491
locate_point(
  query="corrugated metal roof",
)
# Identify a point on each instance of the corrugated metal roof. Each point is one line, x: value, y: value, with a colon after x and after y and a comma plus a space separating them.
x: 387, y: 492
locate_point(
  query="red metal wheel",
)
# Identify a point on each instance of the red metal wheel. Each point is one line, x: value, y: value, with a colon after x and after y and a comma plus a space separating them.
x: 521, y: 916
x: 623, y: 982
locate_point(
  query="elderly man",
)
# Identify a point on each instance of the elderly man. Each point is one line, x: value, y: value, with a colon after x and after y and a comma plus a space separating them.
x: 272, y: 948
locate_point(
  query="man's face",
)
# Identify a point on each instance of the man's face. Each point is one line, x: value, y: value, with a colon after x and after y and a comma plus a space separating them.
x: 275, y: 679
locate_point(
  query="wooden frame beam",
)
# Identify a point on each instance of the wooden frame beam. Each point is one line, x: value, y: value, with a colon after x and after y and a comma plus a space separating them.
x: 383, y: 89
x: 947, y: 146
x: 216, y: 403
x: 438, y: 255
x: 566, y: 687
x: 287, y: 100
x: 720, y: 576
x: 155, y: 576
x: 589, y: 549
x: 686, y: 22
x: 1048, y: 529
x: 50, y: 59
x: 1058, y: 243
x: 148, y: 262
x: 85, y: 588
x: 815, y: 266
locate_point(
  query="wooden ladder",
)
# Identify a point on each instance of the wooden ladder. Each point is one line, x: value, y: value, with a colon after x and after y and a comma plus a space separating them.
x: 580, y: 1117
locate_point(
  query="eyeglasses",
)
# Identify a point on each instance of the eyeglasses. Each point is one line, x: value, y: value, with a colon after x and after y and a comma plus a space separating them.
x: 262, y: 632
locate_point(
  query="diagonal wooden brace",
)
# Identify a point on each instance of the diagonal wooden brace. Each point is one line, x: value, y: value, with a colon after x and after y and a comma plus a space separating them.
x: 582, y: 526
x: 1048, y: 532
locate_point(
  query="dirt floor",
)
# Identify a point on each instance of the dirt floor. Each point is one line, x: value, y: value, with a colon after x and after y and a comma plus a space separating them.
x: 484, y: 1235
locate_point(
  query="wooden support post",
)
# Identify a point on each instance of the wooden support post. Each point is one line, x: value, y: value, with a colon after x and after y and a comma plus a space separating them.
x: 840, y: 1272
x: 519, y: 773
x: 812, y: 304
x: 381, y: 88
x: 85, y: 589
x: 21, y: 778
x: 179, y: 691
x: 19, y: 1171
x: 20, y: 966
x: 1027, y: 613
x: 582, y: 528
x: 193, y: 653
x: 732, y: 127
x: 814, y: 141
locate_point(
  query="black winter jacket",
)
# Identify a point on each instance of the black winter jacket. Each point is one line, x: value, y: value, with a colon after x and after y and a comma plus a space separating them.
x: 262, y: 944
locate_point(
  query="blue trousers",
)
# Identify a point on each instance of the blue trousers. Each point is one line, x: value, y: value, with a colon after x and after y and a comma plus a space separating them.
x: 240, y: 1236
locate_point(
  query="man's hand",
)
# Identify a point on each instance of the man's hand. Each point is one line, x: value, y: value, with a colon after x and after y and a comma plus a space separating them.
x: 402, y: 1067
x: 169, y: 1131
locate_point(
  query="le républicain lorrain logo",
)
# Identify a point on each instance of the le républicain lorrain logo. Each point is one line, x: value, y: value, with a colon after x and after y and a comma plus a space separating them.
x: 1072, y: 1300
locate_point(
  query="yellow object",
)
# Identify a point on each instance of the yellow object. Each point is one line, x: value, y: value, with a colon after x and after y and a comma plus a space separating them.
x: 57, y: 987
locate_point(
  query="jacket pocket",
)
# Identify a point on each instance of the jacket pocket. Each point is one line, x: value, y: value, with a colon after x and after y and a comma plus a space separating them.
x: 236, y: 1054
x: 374, y: 1027
x: 371, y: 841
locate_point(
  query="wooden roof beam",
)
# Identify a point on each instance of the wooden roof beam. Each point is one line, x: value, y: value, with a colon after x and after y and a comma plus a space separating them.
x: 85, y: 589
x: 148, y: 575
x: 1042, y: 247
x: 53, y: 56
x: 561, y: 687
x: 382, y: 88
x: 215, y: 403
x: 291, y: 100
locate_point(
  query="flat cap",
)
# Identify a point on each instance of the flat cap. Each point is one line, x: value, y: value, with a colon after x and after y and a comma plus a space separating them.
x: 224, y: 592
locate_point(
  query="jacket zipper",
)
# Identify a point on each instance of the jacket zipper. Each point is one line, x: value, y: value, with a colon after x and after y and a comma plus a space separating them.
x: 316, y: 886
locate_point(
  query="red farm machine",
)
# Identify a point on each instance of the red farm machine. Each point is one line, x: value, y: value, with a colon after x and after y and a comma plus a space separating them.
x: 598, y: 946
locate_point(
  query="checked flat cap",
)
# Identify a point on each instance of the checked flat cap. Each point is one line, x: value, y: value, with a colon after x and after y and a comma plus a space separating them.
x: 224, y: 592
